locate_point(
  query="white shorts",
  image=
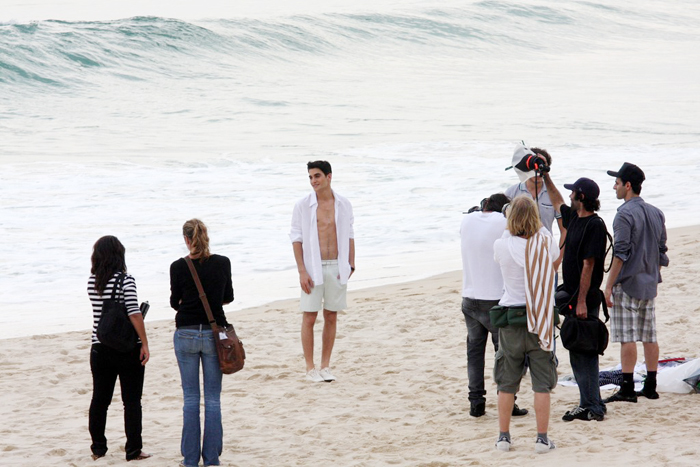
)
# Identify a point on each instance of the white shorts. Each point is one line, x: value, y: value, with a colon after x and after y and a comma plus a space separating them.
x: 331, y: 295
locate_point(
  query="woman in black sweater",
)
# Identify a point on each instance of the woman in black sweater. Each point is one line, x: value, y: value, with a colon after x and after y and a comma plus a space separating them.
x: 194, y: 342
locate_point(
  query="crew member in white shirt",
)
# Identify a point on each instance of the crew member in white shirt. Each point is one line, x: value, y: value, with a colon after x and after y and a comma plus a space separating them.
x: 482, y: 288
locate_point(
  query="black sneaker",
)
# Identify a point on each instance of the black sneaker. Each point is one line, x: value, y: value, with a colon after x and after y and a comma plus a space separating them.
x: 579, y: 413
x: 648, y: 394
x: 619, y: 396
x: 477, y: 409
x: 518, y: 412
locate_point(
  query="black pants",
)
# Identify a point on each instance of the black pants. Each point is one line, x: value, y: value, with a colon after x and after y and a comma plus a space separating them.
x: 106, y: 364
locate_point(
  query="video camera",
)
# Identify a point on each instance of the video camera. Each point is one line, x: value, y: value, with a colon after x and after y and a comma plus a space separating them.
x: 534, y: 162
x: 527, y: 161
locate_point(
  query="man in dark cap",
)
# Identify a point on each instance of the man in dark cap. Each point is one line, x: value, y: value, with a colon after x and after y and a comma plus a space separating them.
x: 582, y: 268
x: 640, y: 251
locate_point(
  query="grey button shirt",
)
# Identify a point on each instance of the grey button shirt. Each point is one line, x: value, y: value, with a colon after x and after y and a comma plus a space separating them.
x: 640, y: 242
x: 543, y: 201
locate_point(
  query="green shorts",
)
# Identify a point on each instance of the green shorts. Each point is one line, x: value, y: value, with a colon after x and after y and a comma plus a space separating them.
x: 514, y: 343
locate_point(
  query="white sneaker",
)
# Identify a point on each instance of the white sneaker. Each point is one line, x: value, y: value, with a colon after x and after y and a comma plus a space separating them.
x: 326, y: 374
x: 313, y: 375
x: 503, y: 444
x: 541, y: 447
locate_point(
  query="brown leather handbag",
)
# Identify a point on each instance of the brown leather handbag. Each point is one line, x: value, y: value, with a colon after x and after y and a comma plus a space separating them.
x: 229, y: 347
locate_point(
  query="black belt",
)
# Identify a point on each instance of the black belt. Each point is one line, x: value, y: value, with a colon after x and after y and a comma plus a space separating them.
x: 198, y: 327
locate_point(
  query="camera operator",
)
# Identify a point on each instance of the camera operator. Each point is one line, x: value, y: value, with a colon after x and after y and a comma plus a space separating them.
x: 482, y: 288
x: 536, y: 189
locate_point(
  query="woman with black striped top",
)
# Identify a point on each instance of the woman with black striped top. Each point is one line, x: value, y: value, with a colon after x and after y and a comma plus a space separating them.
x: 106, y: 363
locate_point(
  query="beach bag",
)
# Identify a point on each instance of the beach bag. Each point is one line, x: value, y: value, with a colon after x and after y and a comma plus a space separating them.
x: 585, y: 336
x: 115, y: 329
x: 229, y: 347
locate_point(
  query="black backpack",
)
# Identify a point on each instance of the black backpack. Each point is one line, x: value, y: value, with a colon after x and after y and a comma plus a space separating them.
x: 115, y: 329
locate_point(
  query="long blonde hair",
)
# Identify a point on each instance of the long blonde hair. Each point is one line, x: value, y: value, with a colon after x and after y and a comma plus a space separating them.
x: 196, y: 232
x: 524, y: 217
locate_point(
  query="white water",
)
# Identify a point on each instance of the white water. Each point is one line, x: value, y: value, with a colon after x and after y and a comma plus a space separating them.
x: 417, y: 108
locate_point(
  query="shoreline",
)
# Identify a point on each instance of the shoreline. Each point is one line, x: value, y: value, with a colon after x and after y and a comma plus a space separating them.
x: 378, y: 284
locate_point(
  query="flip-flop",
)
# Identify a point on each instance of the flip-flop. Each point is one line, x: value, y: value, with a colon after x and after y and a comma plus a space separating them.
x: 142, y: 455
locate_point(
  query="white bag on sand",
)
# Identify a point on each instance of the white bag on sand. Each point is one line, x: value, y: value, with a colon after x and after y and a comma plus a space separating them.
x: 671, y: 379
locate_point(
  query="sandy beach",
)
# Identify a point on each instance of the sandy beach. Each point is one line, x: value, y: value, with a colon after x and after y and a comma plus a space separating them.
x: 400, y: 398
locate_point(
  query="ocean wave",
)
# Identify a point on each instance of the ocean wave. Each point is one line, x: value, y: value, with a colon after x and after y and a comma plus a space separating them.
x: 66, y: 54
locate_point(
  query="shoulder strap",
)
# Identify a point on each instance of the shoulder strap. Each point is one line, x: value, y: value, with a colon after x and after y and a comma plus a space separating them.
x: 118, y: 285
x: 604, y: 304
x: 200, y: 289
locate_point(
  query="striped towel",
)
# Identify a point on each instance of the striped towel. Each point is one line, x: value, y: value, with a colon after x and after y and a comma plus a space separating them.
x: 539, y: 290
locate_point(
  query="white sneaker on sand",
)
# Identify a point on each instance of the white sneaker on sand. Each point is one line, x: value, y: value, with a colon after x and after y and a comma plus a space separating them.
x: 326, y: 374
x: 313, y: 375
x: 542, y: 447
x: 503, y: 444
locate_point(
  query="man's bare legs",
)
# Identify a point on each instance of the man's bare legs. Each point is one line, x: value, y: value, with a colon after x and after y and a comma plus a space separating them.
x: 651, y: 355
x: 307, y: 338
x: 505, y: 410
x: 628, y: 355
x: 330, y: 319
x: 542, y: 400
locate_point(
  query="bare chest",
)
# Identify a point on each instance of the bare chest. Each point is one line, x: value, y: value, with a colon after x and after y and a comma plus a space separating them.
x: 325, y: 216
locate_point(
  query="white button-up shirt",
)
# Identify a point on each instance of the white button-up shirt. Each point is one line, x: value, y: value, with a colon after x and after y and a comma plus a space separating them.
x: 305, y: 231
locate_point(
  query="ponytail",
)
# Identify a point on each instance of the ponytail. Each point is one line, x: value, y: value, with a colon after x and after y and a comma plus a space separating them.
x: 196, y: 231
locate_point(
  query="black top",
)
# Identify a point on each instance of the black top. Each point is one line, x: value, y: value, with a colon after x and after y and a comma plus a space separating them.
x: 215, y: 276
x: 585, y: 238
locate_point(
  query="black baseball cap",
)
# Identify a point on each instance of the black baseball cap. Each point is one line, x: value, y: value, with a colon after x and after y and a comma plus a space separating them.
x: 629, y: 173
x: 584, y: 185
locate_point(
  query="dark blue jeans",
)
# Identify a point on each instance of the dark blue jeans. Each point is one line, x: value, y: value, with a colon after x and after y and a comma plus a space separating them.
x: 106, y: 364
x: 586, y: 368
x: 476, y: 315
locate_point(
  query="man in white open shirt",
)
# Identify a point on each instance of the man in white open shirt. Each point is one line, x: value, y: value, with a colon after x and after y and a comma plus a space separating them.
x: 324, y: 249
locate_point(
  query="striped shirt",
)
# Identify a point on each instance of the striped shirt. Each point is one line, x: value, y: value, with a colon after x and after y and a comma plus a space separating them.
x: 127, y: 295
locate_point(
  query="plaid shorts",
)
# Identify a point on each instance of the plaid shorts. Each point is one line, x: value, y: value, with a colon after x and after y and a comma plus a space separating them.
x: 632, y: 320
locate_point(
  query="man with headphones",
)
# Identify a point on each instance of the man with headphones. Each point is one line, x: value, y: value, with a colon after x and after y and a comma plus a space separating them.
x: 582, y: 270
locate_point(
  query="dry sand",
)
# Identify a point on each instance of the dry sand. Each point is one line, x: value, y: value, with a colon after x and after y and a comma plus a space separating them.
x: 400, y: 398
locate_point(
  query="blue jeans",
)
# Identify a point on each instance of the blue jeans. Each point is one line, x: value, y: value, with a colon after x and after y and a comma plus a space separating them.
x: 476, y: 316
x: 191, y: 347
x: 586, y: 369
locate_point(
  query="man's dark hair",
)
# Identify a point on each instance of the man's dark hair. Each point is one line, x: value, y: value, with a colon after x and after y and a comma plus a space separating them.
x: 496, y: 202
x: 543, y: 153
x: 636, y: 188
x: 590, y: 205
x: 323, y: 166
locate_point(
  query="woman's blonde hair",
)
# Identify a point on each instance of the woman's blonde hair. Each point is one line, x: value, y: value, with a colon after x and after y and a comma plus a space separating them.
x: 196, y: 231
x: 523, y: 217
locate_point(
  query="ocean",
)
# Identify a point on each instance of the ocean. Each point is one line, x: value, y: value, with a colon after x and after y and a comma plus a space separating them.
x: 130, y: 118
